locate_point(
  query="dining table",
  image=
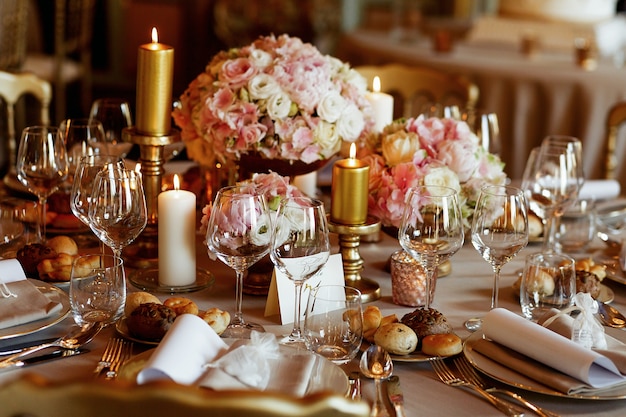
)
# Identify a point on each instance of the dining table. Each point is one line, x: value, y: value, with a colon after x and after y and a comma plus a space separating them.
x: 462, y: 294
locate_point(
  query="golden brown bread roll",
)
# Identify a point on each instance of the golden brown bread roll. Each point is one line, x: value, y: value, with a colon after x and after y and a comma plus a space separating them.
x: 63, y: 244
x: 135, y: 299
x: 181, y: 305
x: 396, y: 338
x: 58, y: 269
x: 216, y: 318
x: 446, y: 344
x: 535, y: 225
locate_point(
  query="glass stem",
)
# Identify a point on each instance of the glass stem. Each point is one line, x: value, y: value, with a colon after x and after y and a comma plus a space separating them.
x: 296, y: 333
x: 550, y: 231
x: 238, y: 319
x: 430, y: 268
x: 41, y: 221
x: 496, y: 286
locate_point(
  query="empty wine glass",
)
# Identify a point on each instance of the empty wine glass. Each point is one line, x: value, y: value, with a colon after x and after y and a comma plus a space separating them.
x: 431, y: 230
x: 117, y: 211
x: 82, y: 137
x: 42, y: 166
x: 115, y: 115
x: 499, y: 232
x: 239, y: 233
x: 485, y: 125
x: 551, y: 182
x: 300, y: 248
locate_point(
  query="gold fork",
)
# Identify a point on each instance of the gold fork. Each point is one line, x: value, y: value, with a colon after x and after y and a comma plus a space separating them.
x: 470, y: 374
x: 107, y: 356
x: 121, y: 352
x: 447, y: 377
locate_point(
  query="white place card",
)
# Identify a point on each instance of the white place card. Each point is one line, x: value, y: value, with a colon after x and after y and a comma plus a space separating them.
x: 281, y: 297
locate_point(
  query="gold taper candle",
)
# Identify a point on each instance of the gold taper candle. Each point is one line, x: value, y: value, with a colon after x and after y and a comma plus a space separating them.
x: 348, y: 204
x: 155, y: 73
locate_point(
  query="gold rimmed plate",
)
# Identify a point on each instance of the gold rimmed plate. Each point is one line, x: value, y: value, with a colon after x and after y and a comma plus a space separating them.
x: 148, y: 280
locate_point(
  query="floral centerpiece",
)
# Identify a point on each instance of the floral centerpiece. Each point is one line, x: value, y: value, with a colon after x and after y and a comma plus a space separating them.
x: 426, y: 151
x: 279, y: 98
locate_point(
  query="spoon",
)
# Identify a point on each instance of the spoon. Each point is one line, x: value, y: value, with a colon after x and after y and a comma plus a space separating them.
x: 610, y: 316
x: 73, y: 340
x: 376, y: 363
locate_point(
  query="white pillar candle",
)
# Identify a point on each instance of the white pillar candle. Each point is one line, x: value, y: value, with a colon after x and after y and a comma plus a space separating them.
x: 177, y: 237
x: 382, y: 106
x: 307, y: 183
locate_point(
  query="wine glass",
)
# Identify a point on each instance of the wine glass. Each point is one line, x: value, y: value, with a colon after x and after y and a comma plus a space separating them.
x: 117, y: 210
x: 239, y: 233
x: 82, y: 137
x: 115, y: 115
x: 42, y: 166
x: 431, y: 230
x: 499, y: 232
x: 551, y: 182
x: 300, y: 248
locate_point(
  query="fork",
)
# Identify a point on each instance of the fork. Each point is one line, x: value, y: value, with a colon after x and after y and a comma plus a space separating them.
x: 107, y: 356
x: 121, y: 353
x: 470, y: 374
x: 447, y: 377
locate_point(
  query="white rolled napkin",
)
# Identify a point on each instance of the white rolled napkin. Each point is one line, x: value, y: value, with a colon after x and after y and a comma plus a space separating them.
x: 594, y: 368
x: 21, y: 302
x: 599, y: 189
x: 191, y: 353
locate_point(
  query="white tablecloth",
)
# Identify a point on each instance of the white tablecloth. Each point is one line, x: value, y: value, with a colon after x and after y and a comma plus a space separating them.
x: 532, y: 97
x: 463, y: 294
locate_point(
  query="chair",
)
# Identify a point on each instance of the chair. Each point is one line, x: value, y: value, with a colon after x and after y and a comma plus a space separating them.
x: 31, y: 396
x: 12, y: 87
x: 419, y: 87
x: 615, y: 118
x: 71, y: 61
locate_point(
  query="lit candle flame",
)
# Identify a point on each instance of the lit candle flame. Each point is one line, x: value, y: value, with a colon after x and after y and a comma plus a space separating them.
x: 352, y: 151
x: 376, y: 84
x: 176, y: 182
x: 155, y: 35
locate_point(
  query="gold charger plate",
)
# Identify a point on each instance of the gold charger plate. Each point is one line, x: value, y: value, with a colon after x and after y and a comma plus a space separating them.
x: 325, y: 376
x: 512, y: 378
x: 53, y: 293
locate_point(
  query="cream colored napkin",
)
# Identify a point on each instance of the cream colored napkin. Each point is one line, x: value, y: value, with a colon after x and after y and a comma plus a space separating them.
x: 192, y: 353
x: 548, y: 357
x: 21, y: 302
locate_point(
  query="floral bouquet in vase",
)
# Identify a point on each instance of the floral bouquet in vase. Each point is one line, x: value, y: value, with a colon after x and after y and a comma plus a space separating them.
x: 278, y: 99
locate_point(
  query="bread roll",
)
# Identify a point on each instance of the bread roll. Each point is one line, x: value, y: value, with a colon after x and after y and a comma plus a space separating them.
x: 63, y: 244
x: 181, y: 305
x: 396, y: 338
x: 535, y: 225
x: 216, y: 318
x: 135, y: 299
x: 446, y: 344
x: 150, y: 321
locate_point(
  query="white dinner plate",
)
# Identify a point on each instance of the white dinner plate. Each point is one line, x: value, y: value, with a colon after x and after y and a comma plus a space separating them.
x: 325, y: 376
x: 510, y: 377
x: 54, y: 294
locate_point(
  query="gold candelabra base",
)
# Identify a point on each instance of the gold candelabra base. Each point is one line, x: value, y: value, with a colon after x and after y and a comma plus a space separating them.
x: 349, y: 242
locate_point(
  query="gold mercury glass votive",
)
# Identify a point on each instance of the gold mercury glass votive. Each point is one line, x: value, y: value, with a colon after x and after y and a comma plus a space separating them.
x: 408, y: 280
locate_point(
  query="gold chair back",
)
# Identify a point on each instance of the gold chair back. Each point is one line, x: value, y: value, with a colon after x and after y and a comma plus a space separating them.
x: 615, y: 118
x: 33, y: 397
x: 416, y: 87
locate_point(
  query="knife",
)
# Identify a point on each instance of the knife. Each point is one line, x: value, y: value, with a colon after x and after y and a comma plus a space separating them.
x: 18, y: 347
x: 394, y: 392
x: 57, y: 354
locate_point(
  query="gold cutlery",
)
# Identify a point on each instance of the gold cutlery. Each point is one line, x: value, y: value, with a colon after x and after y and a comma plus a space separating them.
x: 121, y: 353
x: 468, y: 372
x: 54, y: 355
x: 447, y: 377
x: 396, y: 397
x: 107, y: 355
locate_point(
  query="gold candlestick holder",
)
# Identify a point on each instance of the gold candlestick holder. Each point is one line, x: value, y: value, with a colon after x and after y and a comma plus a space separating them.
x: 349, y: 242
x: 143, y: 252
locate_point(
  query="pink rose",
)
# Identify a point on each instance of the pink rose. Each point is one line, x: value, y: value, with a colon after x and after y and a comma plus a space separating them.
x: 237, y: 72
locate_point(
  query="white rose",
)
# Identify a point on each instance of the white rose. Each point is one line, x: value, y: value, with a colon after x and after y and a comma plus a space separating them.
x: 261, y: 234
x: 442, y: 176
x: 400, y: 147
x: 355, y: 78
x: 351, y: 123
x: 262, y: 87
x: 260, y: 58
x: 278, y: 106
x: 325, y: 134
x: 331, y: 106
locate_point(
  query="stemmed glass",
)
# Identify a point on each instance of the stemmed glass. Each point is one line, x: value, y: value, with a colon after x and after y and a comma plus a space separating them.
x: 431, y: 230
x: 42, y: 166
x: 552, y: 180
x: 239, y: 233
x: 300, y: 248
x: 82, y: 137
x: 499, y: 232
x: 115, y: 115
x: 117, y: 210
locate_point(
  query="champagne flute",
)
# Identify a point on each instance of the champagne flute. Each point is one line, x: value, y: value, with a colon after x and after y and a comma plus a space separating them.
x: 300, y: 248
x: 239, y: 233
x: 499, y: 232
x: 115, y: 115
x: 551, y: 182
x: 117, y: 210
x: 42, y: 166
x: 431, y: 230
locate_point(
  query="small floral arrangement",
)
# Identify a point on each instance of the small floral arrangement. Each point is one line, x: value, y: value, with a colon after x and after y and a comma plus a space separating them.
x: 426, y: 151
x: 277, y: 97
